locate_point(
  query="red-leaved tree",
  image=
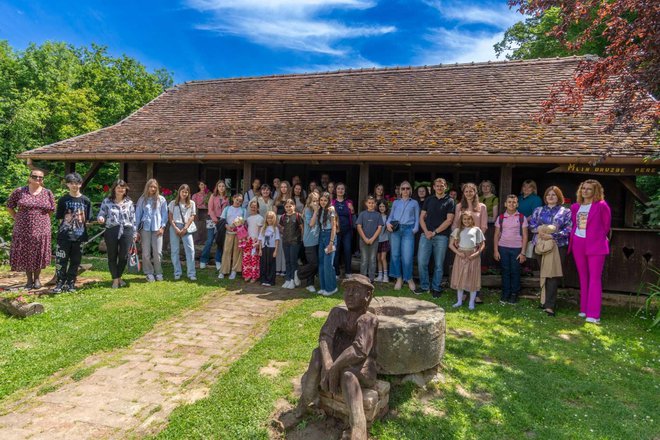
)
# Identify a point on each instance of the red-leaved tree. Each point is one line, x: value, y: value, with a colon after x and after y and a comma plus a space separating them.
x: 627, y: 79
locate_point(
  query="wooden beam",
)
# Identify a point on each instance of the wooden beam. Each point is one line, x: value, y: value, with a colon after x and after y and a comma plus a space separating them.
x: 122, y: 171
x: 247, y: 176
x: 89, y: 175
x: 630, y: 185
x: 629, y: 210
x: 150, y: 170
x: 363, y: 186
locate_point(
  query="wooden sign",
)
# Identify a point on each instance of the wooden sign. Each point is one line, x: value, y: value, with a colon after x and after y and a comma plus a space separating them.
x: 607, y: 170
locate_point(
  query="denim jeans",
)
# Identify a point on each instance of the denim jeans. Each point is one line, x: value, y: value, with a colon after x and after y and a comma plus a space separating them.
x: 206, y: 252
x: 510, y: 272
x: 368, y: 254
x: 188, y: 247
x: 291, y: 257
x: 344, y: 249
x: 327, y: 278
x: 402, y: 243
x: 438, y: 245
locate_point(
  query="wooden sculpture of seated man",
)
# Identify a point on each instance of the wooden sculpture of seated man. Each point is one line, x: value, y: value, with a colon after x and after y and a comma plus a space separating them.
x: 345, y: 359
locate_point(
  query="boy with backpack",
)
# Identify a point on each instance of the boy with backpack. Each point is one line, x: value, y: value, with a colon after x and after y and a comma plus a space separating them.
x: 74, y: 210
x: 510, y: 241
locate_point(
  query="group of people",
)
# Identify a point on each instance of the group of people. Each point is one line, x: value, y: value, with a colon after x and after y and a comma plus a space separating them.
x: 306, y: 233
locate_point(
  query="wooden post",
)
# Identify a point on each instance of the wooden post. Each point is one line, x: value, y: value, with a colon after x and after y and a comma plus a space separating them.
x: 506, y: 182
x: 629, y: 213
x: 363, y: 186
x: 247, y: 176
x: 122, y: 171
x: 150, y: 170
x: 69, y: 167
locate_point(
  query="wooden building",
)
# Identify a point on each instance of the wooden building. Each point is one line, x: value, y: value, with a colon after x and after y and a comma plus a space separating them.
x: 464, y: 122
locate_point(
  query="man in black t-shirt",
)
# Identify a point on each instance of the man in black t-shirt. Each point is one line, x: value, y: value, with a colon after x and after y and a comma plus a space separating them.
x: 74, y: 210
x: 435, y: 223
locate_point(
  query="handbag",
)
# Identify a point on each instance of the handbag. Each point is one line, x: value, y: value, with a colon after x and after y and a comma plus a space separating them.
x: 395, y: 225
x: 210, y: 224
x: 192, y: 228
x: 529, y: 250
x: 133, y: 264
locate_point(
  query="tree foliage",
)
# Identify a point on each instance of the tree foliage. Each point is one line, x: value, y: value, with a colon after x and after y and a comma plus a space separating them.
x: 625, y: 34
x: 55, y: 91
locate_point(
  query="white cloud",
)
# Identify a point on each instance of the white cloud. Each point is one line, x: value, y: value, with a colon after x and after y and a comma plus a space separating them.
x: 356, y: 62
x: 290, y: 24
x: 461, y: 43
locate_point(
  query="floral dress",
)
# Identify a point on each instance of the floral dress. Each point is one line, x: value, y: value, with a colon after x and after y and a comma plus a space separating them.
x: 30, y: 245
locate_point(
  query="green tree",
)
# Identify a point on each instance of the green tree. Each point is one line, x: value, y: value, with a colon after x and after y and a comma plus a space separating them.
x: 55, y: 91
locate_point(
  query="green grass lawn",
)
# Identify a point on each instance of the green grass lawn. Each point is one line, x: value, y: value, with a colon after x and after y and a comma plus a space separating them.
x: 93, y: 319
x: 510, y: 372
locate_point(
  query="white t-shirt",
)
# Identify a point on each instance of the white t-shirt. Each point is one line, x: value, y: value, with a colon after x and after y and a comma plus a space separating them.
x: 181, y: 213
x: 254, y: 223
x: 268, y: 237
x: 469, y: 238
x: 581, y: 218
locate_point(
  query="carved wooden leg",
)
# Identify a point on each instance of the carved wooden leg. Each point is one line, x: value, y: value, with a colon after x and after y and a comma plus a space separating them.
x: 310, y: 383
x: 350, y: 386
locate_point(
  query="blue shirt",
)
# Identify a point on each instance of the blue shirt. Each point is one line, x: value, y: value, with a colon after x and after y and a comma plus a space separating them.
x: 149, y: 216
x: 527, y: 205
x: 406, y: 212
x: 310, y: 234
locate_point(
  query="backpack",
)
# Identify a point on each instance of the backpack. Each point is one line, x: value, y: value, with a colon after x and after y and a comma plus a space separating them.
x: 521, y: 219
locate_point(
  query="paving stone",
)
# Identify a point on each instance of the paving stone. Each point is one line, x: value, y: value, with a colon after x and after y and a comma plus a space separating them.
x: 119, y: 400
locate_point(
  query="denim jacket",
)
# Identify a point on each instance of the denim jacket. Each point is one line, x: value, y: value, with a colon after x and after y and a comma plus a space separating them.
x: 151, y: 216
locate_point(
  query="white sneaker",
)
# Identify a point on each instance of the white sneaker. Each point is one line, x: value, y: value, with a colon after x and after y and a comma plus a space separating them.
x: 582, y: 315
x: 378, y: 279
x: 193, y: 278
x: 150, y: 278
x: 321, y: 292
x: 593, y: 320
x: 265, y: 284
x: 330, y: 293
x: 232, y: 275
x: 398, y: 284
x: 311, y: 289
x: 457, y: 305
x: 159, y: 277
x: 221, y: 276
x: 202, y: 265
x: 177, y: 277
x: 286, y: 284
x: 292, y: 285
x: 296, y: 280
x: 218, y: 265
x: 386, y: 278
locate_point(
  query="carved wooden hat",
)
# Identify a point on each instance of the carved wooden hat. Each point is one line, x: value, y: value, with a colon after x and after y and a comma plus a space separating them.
x: 360, y: 280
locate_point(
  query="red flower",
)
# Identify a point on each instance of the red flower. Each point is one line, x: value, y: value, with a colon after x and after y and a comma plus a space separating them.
x: 106, y: 188
x: 167, y: 192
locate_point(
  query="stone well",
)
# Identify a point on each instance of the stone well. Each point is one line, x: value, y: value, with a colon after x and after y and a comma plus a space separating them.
x: 411, y: 334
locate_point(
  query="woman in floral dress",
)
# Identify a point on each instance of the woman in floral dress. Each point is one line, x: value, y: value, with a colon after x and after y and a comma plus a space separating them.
x: 31, y: 206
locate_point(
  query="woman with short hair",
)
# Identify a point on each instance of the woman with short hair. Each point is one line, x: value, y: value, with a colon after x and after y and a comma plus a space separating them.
x: 402, y: 224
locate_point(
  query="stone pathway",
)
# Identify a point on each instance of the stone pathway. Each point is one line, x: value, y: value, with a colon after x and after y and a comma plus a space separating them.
x: 131, y: 392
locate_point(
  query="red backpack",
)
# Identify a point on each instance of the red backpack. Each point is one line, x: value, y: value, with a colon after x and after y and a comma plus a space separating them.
x: 521, y: 219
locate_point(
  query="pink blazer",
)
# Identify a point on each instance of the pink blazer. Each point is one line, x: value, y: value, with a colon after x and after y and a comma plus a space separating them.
x: 598, y: 227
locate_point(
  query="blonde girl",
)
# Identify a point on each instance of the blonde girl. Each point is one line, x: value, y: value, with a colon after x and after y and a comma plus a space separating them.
x: 269, y: 240
x: 255, y: 223
x: 151, y: 219
x: 467, y: 242
x: 182, y: 213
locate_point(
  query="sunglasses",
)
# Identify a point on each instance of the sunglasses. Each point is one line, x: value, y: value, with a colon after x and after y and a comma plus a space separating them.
x: 32, y: 176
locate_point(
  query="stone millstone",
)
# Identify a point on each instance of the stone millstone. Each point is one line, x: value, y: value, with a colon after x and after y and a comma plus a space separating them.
x: 411, y: 334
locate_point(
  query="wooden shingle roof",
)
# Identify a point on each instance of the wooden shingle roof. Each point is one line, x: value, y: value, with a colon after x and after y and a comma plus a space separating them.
x: 467, y: 113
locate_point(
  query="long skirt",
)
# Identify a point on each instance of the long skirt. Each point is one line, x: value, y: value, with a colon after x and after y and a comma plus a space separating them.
x: 466, y: 274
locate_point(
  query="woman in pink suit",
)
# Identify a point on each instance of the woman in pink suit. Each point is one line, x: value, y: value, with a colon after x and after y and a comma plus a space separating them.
x: 590, y: 246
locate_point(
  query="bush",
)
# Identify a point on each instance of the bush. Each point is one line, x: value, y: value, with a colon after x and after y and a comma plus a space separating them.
x: 6, y: 224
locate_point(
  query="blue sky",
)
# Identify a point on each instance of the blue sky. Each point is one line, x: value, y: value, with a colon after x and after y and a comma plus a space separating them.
x: 202, y: 39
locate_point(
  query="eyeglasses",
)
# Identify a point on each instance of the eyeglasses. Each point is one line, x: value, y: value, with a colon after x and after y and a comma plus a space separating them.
x: 406, y: 189
x: 35, y: 177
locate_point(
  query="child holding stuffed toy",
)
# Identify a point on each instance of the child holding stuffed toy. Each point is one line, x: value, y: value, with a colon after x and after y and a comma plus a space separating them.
x: 232, y: 255
x: 249, y: 243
